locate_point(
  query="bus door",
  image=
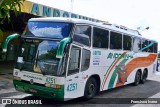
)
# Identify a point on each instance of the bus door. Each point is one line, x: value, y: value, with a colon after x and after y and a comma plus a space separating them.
x: 73, y: 81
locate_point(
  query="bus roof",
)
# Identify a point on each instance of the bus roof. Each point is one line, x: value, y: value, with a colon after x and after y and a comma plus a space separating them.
x: 113, y: 27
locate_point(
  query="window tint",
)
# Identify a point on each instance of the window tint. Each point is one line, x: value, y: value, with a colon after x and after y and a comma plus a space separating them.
x: 74, y: 60
x: 100, y: 38
x: 155, y: 47
x: 136, y: 44
x: 82, y: 34
x: 28, y: 51
x: 151, y: 46
x: 48, y: 29
x: 144, y: 45
x: 85, y: 60
x: 115, y: 40
x: 127, y: 42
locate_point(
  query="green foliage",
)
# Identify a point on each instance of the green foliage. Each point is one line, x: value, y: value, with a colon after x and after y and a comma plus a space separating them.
x: 51, y: 54
x: 6, y: 6
x: 1, y: 32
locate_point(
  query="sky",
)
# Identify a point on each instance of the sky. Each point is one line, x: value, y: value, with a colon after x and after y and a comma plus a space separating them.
x: 129, y: 13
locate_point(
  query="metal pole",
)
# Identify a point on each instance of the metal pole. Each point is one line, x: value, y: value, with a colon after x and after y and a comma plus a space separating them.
x: 71, y: 7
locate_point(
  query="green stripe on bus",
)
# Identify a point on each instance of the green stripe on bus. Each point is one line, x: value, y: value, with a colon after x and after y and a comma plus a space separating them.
x: 113, y: 78
x: 110, y: 67
x: 46, y: 92
x: 108, y: 70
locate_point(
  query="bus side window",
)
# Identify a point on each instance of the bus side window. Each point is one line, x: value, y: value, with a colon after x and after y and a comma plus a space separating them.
x: 85, y: 60
x: 74, y: 60
x: 100, y: 38
x: 83, y: 35
x: 151, y: 48
x: 127, y: 42
x: 155, y: 47
x: 115, y: 40
x: 144, y: 45
x: 136, y: 44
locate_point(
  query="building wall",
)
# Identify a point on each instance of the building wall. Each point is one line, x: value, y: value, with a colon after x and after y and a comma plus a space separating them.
x: 46, y: 11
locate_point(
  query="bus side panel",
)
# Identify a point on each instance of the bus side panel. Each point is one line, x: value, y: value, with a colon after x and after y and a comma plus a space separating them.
x: 121, y: 67
x: 146, y: 61
x: 106, y: 61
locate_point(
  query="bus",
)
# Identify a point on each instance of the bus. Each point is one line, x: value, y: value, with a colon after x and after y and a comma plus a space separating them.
x: 65, y: 58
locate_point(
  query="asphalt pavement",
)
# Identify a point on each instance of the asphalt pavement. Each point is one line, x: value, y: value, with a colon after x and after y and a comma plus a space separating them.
x: 6, y: 74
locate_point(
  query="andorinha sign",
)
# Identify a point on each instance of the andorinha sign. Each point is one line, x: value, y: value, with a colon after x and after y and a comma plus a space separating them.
x: 42, y: 10
x: 119, y: 55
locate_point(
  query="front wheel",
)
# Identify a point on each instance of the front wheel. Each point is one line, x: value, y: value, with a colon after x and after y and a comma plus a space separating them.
x: 137, y: 78
x: 90, y: 88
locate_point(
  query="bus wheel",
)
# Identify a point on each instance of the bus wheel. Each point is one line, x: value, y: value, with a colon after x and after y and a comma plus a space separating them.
x: 137, y: 78
x: 90, y: 88
x: 144, y: 76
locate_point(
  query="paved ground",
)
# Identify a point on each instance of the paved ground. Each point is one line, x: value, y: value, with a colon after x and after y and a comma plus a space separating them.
x: 156, y: 77
x: 6, y: 71
x: 151, y: 89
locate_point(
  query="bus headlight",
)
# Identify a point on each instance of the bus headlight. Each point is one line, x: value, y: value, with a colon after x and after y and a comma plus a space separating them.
x: 53, y: 86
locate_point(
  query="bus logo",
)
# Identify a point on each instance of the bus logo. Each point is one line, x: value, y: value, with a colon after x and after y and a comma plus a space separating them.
x: 31, y: 81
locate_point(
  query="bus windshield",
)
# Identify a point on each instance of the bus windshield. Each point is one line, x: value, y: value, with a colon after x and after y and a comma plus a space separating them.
x: 57, y: 30
x: 38, y: 56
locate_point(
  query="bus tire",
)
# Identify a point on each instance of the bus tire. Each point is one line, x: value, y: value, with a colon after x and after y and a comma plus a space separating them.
x: 90, y: 89
x: 137, y: 78
x: 144, y: 76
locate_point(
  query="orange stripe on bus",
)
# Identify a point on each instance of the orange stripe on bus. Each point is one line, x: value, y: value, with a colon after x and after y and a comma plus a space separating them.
x: 111, y: 70
x: 138, y: 62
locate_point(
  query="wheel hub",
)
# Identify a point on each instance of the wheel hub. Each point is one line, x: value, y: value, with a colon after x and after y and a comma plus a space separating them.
x: 91, y: 88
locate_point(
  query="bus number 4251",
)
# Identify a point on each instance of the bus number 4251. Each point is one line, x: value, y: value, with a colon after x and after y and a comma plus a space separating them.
x: 72, y: 87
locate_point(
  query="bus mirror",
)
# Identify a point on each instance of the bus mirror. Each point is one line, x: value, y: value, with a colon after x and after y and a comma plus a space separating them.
x: 62, y: 46
x: 8, y: 39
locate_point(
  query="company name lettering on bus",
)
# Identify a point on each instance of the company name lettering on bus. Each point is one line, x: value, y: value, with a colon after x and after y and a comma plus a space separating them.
x: 96, y: 52
x: 119, y: 55
x: 96, y: 60
x: 96, y: 63
x: 29, y: 76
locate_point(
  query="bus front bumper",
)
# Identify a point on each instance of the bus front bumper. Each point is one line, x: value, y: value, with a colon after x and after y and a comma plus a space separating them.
x: 42, y: 91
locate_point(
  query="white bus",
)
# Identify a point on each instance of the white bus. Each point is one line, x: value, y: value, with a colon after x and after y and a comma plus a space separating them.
x: 62, y: 58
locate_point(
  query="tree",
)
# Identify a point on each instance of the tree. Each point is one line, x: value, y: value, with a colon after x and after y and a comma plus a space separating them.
x: 6, y: 6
